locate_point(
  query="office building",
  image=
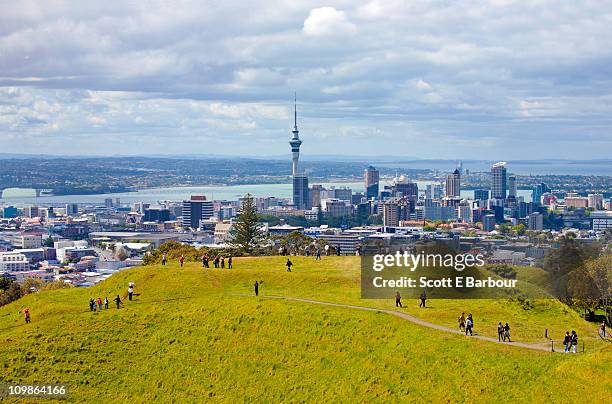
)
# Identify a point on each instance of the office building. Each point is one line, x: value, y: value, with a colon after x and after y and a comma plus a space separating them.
x: 156, y: 214
x: 499, y: 186
x: 372, y: 179
x: 539, y: 190
x: 453, y: 185
x: 481, y: 194
x: 488, y: 222
x: 13, y: 261
x: 511, y: 189
x: 595, y: 201
x: 433, y: 191
x: 601, y: 220
x: 535, y: 221
x: 395, y: 210
x: 316, y: 192
x: 301, y: 199
x: 573, y: 200
x: 108, y: 202
x: 336, y: 208
x: 196, y: 209
x: 72, y: 209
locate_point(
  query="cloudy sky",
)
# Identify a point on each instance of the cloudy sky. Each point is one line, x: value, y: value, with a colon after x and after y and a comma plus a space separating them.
x: 497, y: 79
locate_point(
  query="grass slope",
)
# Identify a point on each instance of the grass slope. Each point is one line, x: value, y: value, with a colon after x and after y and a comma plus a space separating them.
x: 187, y: 337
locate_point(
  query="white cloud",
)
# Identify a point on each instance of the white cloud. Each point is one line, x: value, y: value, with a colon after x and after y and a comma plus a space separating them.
x: 325, y: 21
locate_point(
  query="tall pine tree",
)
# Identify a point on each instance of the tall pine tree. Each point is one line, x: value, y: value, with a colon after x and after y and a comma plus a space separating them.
x: 246, y: 234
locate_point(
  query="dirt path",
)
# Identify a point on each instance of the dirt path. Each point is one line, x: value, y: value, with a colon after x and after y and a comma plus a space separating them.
x: 539, y: 347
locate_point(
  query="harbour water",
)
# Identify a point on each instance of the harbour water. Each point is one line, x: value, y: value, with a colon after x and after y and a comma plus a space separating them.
x: 19, y: 196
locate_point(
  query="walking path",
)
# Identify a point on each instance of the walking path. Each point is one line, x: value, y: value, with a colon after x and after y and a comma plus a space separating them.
x: 539, y: 347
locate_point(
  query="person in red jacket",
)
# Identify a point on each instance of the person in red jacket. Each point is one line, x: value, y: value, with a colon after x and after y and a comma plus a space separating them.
x: 182, y: 260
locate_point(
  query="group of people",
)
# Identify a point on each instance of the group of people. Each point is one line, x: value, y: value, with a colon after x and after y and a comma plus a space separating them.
x: 99, y: 304
x: 218, y: 261
x: 503, y: 332
x: 398, y: 299
x: 466, y: 323
x: 570, y: 341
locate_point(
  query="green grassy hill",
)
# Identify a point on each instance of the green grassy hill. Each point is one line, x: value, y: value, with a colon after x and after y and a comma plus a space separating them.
x: 191, y: 334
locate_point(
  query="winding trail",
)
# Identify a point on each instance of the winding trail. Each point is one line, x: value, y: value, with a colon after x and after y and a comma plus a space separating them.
x: 538, y: 347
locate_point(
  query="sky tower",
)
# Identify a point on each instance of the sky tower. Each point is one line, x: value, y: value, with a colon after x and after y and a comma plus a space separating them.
x: 295, y: 141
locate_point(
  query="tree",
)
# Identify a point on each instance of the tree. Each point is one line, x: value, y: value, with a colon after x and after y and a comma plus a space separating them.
x: 48, y: 242
x: 246, y: 234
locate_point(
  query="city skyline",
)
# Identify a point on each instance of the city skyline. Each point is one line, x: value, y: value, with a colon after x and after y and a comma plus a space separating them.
x: 424, y: 79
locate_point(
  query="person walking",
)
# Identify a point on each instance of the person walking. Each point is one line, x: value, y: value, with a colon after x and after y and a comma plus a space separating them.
x: 26, y: 315
x: 203, y: 259
x: 602, y: 329
x: 206, y: 261
x: 500, y: 332
x: 338, y: 253
x: 216, y: 261
x: 567, y: 342
x: 469, y: 324
x: 507, y: 332
x: 423, y: 299
x: 106, y: 302
x: 118, y: 301
x: 130, y: 292
x: 289, y: 265
x: 92, y: 304
x: 181, y: 260
x: 100, y: 303
x: 574, y: 342
x: 229, y: 262
x: 256, y: 288
x: 461, y: 321
x: 222, y: 262
x: 398, y: 299
x: 318, y: 257
x: 164, y: 259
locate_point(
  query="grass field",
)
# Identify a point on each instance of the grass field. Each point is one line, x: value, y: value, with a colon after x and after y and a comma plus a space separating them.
x: 190, y: 335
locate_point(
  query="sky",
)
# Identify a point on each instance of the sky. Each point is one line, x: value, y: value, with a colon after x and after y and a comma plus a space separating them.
x: 496, y: 79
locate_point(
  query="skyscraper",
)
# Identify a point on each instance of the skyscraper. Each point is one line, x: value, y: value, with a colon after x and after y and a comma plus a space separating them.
x: 499, y: 188
x: 537, y: 192
x: 196, y: 209
x: 371, y: 177
x: 453, y: 184
x: 301, y: 199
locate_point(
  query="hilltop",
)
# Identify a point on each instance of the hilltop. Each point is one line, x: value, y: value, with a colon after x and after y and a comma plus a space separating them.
x: 194, y: 333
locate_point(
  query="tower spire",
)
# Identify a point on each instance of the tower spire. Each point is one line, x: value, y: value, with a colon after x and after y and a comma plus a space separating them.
x: 295, y: 110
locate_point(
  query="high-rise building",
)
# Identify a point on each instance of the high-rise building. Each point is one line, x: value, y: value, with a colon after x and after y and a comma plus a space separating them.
x: 315, y: 194
x: 453, y: 184
x: 394, y: 211
x: 500, y: 186
x: 372, y: 179
x: 156, y: 214
x: 301, y: 200
x: 539, y: 190
x: 108, y: 202
x: 433, y: 191
x: 481, y: 194
x: 595, y: 201
x: 195, y: 210
x: 535, y: 221
x: 72, y: 209
x: 512, y: 187
x: 488, y: 222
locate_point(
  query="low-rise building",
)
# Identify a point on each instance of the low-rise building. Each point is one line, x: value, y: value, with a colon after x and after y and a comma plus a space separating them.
x: 13, y: 262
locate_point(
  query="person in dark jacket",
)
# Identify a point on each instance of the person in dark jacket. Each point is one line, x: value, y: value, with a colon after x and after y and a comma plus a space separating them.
x: 398, y: 299
x: 567, y: 342
x: 289, y: 265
